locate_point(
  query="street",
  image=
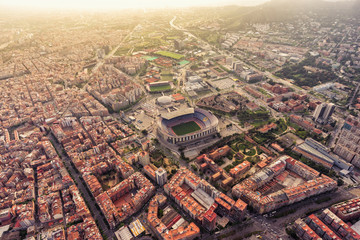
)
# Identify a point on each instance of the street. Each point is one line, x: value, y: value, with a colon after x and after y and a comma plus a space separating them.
x: 97, y: 215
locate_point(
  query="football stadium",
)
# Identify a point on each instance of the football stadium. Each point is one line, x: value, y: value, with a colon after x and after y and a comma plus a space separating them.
x: 186, y: 126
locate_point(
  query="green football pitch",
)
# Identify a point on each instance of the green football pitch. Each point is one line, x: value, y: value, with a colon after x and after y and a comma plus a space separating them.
x: 160, y: 88
x: 185, y: 128
x: 170, y: 54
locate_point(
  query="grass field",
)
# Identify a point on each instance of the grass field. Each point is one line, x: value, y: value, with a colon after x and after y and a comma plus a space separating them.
x: 160, y: 88
x: 149, y: 58
x: 170, y: 54
x: 167, y: 78
x: 185, y: 128
x: 219, y: 69
x: 166, y: 75
x: 183, y: 62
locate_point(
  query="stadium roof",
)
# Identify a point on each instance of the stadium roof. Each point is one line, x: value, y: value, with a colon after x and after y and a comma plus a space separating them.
x: 164, y: 100
x: 178, y: 113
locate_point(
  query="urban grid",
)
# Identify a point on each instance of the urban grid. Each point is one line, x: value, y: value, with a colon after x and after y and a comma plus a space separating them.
x: 193, y: 122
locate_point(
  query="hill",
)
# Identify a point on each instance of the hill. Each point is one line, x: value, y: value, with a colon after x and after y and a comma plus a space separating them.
x: 285, y: 11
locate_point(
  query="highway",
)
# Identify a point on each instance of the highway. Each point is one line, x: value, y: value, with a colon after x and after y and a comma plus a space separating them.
x: 353, y: 97
x: 112, y: 52
x: 205, y: 44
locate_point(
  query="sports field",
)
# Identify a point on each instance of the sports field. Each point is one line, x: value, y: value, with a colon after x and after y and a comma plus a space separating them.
x: 185, y: 128
x: 183, y: 62
x: 170, y: 54
x: 149, y: 58
x: 160, y: 88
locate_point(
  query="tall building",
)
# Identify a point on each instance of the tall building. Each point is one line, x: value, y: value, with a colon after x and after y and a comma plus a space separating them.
x: 330, y: 108
x: 161, y: 176
x: 178, y: 44
x: 348, y: 144
x: 323, y: 112
x: 319, y: 111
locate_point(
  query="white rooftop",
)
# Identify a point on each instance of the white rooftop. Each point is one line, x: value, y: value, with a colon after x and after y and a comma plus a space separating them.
x: 171, y: 115
x: 356, y: 227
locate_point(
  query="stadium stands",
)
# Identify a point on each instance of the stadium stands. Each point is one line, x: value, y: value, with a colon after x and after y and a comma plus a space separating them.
x: 206, y: 121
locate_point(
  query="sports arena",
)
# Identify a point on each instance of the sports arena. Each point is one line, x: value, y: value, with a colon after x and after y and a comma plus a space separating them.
x: 185, y: 126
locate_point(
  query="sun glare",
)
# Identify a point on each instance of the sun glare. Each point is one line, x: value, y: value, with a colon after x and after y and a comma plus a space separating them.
x: 121, y: 4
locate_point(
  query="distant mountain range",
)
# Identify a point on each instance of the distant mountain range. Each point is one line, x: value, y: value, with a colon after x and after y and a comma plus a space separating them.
x: 286, y: 10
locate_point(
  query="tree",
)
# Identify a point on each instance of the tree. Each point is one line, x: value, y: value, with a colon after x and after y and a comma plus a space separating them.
x: 340, y: 182
x: 271, y: 82
x: 161, y: 213
x: 194, y: 67
x: 144, y: 132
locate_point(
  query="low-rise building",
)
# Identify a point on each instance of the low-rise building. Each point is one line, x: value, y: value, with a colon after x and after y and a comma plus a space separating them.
x: 240, y: 169
x: 247, y: 189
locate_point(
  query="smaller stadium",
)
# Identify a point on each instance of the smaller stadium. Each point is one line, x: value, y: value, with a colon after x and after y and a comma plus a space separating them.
x: 187, y: 126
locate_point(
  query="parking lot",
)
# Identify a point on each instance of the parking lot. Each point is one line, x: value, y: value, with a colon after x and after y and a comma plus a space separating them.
x: 223, y: 83
x: 142, y: 120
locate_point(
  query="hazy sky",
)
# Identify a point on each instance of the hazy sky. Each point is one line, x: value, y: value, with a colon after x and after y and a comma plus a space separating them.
x: 119, y: 4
